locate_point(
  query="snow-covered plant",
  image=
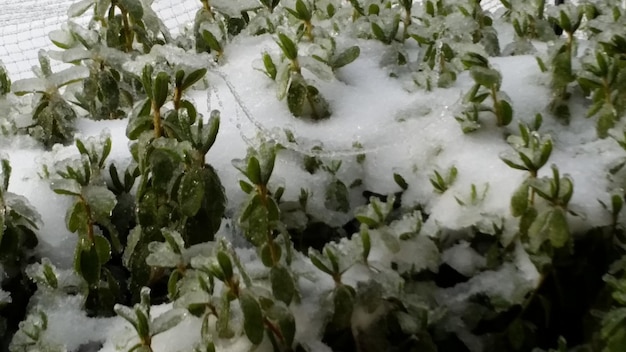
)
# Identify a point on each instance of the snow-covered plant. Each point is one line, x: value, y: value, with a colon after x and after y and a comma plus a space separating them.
x: 147, y: 327
x: 529, y: 22
x: 604, y: 78
x: 442, y: 183
x: 29, y: 337
x: 562, y: 57
x: 613, y: 331
x: 174, y: 177
x: 303, y: 99
x: 90, y: 218
x: 19, y: 223
x: 487, y: 85
x: 53, y: 116
x: 303, y: 12
x: 532, y: 151
x: 123, y: 24
x: 5, y: 80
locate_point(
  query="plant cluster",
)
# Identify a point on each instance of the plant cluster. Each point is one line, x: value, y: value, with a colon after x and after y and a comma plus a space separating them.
x: 156, y: 232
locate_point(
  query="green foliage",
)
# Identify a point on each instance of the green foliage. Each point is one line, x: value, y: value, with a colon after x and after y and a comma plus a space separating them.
x: 147, y: 327
x: 155, y: 224
x: 53, y: 117
x: 441, y: 183
x: 19, y: 223
x: 487, y: 84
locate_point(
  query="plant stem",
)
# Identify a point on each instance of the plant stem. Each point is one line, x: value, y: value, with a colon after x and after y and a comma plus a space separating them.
x: 156, y: 113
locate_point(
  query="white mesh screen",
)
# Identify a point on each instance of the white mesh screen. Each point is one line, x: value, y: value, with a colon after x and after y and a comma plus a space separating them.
x: 25, y: 24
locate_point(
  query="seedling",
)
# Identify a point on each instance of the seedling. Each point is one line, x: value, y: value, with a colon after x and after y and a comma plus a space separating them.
x: 441, y: 183
x: 146, y: 327
x: 488, y: 82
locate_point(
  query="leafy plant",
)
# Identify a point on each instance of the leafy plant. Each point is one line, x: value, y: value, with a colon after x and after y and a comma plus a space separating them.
x: 441, y: 183
x: 53, y: 116
x: 19, y: 223
x: 487, y: 84
x: 604, y: 80
x: 303, y: 99
x: 145, y: 326
x: 561, y: 55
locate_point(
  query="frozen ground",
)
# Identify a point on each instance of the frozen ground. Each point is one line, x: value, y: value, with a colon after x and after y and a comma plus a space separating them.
x: 409, y: 133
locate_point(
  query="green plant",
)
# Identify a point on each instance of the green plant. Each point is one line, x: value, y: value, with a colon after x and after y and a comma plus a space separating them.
x: 53, y: 117
x: 487, y: 84
x: 145, y: 326
x: 304, y: 13
x: 303, y: 99
x: 19, y: 223
x: 124, y: 22
x: 440, y: 183
x: 561, y: 56
x: 604, y: 79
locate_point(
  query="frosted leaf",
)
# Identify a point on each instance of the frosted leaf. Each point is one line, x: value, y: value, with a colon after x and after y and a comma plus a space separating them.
x: 417, y: 254
x: 20, y: 205
x: 179, y: 57
x: 29, y: 85
x: 79, y: 8
x: 87, y: 37
x: 5, y: 297
x: 234, y: 8
x: 75, y: 54
x: 69, y: 75
x: 464, y: 259
x: 62, y: 38
x: 161, y: 255
x: 316, y: 67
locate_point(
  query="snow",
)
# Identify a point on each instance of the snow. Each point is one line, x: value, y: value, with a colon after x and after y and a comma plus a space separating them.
x: 409, y: 133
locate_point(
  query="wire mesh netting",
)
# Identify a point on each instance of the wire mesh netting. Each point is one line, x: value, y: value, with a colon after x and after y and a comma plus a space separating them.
x: 24, y: 26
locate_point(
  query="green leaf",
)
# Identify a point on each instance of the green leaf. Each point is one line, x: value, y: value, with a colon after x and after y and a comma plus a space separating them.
x: 212, y: 41
x: 253, y: 171
x: 303, y: 10
x: 505, y: 113
x: 288, y: 46
x: 559, y: 230
x: 378, y: 32
x: 225, y: 264
x: 172, y: 285
x: 283, y: 286
x: 287, y: 326
x: 89, y: 264
x: 400, y: 181
x: 192, y: 78
x: 520, y: 200
x: 134, y: 8
x: 66, y: 186
x: 486, y: 77
x: 296, y: 95
x: 146, y: 80
x: 253, y: 317
x: 161, y: 88
x: 191, y: 192
x: 103, y: 248
x: 337, y: 197
x: 270, y: 67
x: 343, y: 300
x: 316, y: 259
x: 143, y: 322
x: 266, y: 253
x: 77, y: 219
x: 246, y: 187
